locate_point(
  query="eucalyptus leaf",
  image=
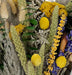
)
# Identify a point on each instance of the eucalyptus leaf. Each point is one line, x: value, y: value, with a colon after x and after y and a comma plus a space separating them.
x: 33, y: 48
x: 2, y: 67
x: 30, y: 28
x: 33, y: 21
x: 28, y: 39
x: 2, y: 29
x: 30, y: 8
x: 28, y: 34
x: 1, y: 24
x: 29, y: 56
x: 29, y: 14
x: 28, y: 2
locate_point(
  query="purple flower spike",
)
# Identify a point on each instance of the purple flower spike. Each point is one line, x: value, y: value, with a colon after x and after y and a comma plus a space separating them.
x: 71, y: 32
x: 66, y: 50
x: 67, y: 37
x: 70, y: 50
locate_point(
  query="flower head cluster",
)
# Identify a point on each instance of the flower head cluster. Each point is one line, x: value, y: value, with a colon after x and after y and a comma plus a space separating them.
x: 48, y: 8
x: 56, y: 42
x: 19, y: 29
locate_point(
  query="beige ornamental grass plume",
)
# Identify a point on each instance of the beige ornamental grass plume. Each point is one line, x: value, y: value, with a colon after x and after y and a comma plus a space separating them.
x: 23, y: 11
x: 53, y: 27
x: 12, y: 5
x: 28, y: 67
x: 41, y: 53
x: 20, y: 49
x: 31, y: 70
x: 4, y: 11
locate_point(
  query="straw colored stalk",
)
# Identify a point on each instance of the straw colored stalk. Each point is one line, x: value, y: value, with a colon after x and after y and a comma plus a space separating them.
x: 12, y: 5
x: 4, y: 11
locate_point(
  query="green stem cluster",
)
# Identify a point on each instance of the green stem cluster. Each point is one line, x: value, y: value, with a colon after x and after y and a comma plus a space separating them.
x: 20, y: 49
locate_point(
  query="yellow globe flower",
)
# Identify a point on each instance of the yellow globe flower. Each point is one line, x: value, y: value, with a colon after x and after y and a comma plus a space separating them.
x: 63, y: 11
x: 61, y: 61
x: 44, y: 23
x: 36, y: 59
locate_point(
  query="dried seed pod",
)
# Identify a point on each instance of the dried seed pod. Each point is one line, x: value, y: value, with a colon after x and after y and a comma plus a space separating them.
x: 63, y: 43
x: 13, y: 7
x: 4, y: 11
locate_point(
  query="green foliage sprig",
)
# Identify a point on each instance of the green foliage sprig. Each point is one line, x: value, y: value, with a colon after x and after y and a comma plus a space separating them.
x: 29, y: 68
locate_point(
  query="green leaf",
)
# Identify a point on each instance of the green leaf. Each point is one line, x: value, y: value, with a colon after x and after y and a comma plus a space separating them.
x: 33, y: 21
x: 28, y: 39
x: 30, y: 28
x: 28, y: 2
x: 30, y: 8
x: 2, y: 29
x: 28, y: 34
x: 33, y: 48
x: 29, y: 14
x: 1, y: 24
x: 29, y: 56
x: 2, y: 66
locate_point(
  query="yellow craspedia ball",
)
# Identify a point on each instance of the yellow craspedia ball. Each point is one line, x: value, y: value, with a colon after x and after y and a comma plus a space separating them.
x: 63, y: 11
x: 61, y: 61
x: 44, y: 23
x: 36, y: 59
